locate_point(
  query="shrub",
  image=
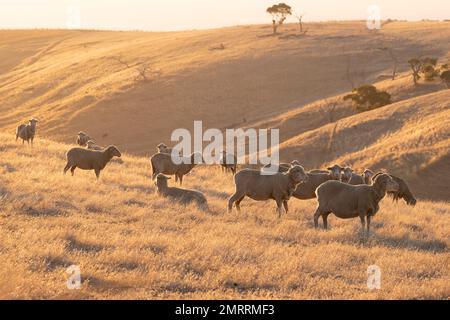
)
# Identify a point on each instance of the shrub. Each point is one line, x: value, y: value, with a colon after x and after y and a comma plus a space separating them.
x: 445, y: 77
x: 367, y: 97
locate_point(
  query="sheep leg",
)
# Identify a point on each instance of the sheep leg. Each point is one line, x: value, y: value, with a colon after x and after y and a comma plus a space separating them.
x: 236, y: 196
x: 279, y: 207
x: 97, y: 173
x: 238, y: 204
x: 285, y: 204
x: 369, y: 218
x: 181, y: 179
x: 317, y: 214
x: 362, y: 217
x: 325, y: 220
x: 67, y: 167
x: 72, y: 170
x: 32, y: 142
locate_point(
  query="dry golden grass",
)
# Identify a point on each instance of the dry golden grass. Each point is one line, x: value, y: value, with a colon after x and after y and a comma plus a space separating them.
x: 130, y: 243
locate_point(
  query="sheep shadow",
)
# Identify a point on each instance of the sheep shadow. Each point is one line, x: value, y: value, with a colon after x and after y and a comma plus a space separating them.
x: 292, y: 36
x: 42, y: 212
x: 405, y: 242
x: 74, y: 245
x: 53, y: 263
x: 138, y: 187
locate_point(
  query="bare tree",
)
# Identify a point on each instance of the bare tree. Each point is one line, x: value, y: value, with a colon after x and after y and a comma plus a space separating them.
x: 348, y: 72
x: 143, y: 68
x: 121, y: 61
x: 393, y: 57
x: 145, y: 71
x: 300, y: 21
x: 328, y: 110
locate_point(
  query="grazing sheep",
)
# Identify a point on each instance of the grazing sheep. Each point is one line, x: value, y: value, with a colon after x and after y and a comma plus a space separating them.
x: 368, y: 176
x: 257, y: 186
x: 91, y: 145
x: 90, y: 159
x: 402, y: 193
x: 27, y: 131
x: 316, y: 177
x: 162, y: 163
x: 347, y: 201
x: 83, y: 138
x: 228, y: 162
x: 182, y: 195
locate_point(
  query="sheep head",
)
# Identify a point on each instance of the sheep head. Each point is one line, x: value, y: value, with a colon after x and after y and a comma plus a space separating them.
x: 368, y: 175
x: 403, y: 192
x: 335, y: 172
x: 347, y: 173
x: 113, y: 151
x: 161, y: 180
x: 385, y: 183
x: 162, y: 148
x: 297, y: 174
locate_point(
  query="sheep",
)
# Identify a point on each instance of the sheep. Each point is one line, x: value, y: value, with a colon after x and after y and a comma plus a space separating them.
x: 91, y: 145
x: 334, y: 171
x: 348, y: 201
x: 27, y: 131
x: 347, y: 173
x: 283, y: 167
x: 257, y: 186
x: 184, y: 196
x: 316, y: 177
x: 350, y: 177
x: 162, y: 163
x: 82, y: 139
x: 163, y: 148
x: 367, y: 176
x: 402, y: 193
x: 90, y: 159
x: 228, y: 162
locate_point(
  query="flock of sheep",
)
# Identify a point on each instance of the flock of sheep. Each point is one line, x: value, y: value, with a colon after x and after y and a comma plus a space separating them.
x: 339, y: 190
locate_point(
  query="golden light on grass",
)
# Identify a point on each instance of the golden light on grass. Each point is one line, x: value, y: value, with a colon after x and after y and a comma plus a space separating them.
x: 130, y: 243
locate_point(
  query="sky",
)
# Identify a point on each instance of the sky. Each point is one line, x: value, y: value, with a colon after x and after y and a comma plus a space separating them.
x: 168, y: 15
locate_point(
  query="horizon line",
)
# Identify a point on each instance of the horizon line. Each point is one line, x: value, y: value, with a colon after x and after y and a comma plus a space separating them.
x: 214, y: 28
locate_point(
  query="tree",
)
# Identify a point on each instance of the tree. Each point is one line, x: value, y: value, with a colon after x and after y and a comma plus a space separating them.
x: 445, y: 77
x: 300, y: 22
x: 367, y: 97
x: 393, y: 57
x: 279, y: 14
x: 415, y: 65
x: 429, y: 68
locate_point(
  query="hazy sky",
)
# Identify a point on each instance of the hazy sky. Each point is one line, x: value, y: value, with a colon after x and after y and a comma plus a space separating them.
x: 197, y: 14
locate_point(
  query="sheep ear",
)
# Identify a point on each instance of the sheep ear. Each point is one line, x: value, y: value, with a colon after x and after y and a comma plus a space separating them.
x: 329, y: 168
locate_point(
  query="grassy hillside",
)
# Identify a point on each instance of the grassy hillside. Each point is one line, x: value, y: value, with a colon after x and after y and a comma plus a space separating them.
x: 89, y: 80
x: 407, y: 138
x: 130, y: 243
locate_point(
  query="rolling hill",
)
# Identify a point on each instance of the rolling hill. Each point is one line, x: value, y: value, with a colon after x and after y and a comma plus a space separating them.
x: 89, y: 80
